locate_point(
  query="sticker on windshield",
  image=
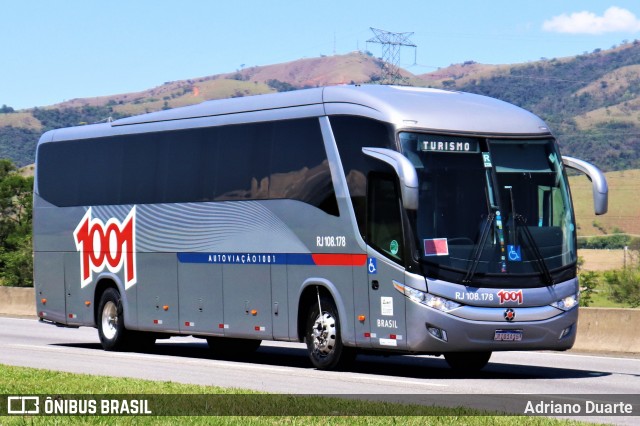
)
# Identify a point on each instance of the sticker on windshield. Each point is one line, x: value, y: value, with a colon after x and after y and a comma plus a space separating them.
x: 486, y: 158
x: 393, y: 247
x: 436, y: 247
x: 514, y: 253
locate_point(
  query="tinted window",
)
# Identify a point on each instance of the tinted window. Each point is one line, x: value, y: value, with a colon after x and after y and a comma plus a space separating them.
x: 352, y: 134
x: 243, y: 169
x: 299, y: 166
x: 244, y: 162
x: 384, y: 230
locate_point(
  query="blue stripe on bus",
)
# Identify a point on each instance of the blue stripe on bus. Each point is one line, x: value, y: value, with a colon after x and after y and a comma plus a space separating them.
x: 338, y: 259
x: 248, y: 258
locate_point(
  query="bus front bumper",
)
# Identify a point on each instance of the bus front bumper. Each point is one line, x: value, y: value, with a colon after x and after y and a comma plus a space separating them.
x: 433, y: 331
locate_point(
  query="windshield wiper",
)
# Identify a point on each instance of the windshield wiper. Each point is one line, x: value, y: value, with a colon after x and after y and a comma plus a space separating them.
x: 534, y: 248
x: 477, y: 251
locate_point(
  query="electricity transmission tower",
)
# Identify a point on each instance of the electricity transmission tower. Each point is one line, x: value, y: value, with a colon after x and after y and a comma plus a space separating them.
x: 391, y: 45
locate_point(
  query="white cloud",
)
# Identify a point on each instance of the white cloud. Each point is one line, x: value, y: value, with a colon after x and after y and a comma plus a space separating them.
x: 615, y: 19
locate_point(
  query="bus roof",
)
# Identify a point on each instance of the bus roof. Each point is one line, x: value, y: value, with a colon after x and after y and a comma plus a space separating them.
x: 404, y: 107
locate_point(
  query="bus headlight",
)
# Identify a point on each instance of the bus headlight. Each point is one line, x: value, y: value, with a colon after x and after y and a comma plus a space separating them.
x: 566, y: 303
x: 435, y: 302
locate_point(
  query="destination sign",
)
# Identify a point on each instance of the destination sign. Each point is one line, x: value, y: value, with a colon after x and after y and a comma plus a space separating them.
x: 448, y: 146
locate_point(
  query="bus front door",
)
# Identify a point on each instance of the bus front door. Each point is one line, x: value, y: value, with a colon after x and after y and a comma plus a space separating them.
x: 385, y: 257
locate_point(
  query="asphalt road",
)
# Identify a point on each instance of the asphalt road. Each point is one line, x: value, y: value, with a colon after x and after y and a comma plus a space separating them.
x: 284, y: 368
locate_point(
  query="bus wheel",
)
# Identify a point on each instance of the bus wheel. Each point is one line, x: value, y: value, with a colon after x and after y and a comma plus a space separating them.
x: 230, y: 347
x: 467, y: 361
x: 324, y: 344
x: 111, y: 321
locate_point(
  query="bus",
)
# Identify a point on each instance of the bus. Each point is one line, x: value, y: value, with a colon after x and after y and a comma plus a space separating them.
x: 361, y: 218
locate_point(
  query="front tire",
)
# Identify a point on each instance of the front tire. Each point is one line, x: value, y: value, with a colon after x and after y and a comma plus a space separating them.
x: 113, y: 335
x: 323, y: 337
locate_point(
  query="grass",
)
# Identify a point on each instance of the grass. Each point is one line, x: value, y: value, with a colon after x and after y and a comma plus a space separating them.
x: 624, y: 204
x: 600, y: 261
x: 29, y: 381
x: 625, y: 112
x: 20, y: 119
x: 600, y: 298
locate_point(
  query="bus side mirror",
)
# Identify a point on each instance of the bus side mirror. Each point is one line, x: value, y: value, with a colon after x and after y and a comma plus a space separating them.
x: 598, y: 180
x: 405, y: 171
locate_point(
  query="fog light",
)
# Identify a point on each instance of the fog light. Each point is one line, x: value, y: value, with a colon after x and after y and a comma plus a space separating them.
x: 566, y: 332
x: 436, y: 332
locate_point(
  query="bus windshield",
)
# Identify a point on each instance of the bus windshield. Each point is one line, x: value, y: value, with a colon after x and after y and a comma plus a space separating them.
x: 491, y: 208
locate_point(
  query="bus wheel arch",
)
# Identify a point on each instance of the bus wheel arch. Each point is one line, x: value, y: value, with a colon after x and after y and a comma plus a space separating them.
x: 321, y: 329
x: 110, y: 299
x: 308, y: 297
x: 101, y: 286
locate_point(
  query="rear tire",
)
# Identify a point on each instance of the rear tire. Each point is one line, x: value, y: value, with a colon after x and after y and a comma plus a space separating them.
x: 323, y: 337
x: 110, y: 321
x: 467, y: 361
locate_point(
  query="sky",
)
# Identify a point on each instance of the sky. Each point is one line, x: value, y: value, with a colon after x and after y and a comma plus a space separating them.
x: 52, y: 51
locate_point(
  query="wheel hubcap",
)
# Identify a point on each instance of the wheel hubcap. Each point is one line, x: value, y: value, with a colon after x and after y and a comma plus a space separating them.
x: 324, y: 334
x: 109, y: 320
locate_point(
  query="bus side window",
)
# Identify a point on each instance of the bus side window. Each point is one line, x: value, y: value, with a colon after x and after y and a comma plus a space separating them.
x: 384, y: 219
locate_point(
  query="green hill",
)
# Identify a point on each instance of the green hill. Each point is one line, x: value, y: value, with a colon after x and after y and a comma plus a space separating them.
x: 20, y: 130
x: 590, y: 101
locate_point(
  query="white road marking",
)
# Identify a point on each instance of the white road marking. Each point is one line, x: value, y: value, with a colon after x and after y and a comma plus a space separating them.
x: 588, y: 356
x: 352, y: 377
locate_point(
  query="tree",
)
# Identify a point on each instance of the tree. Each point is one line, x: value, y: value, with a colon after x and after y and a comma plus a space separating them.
x: 280, y: 86
x: 17, y: 265
x: 6, y: 167
x: 625, y: 286
x: 588, y: 284
x: 18, y: 144
x: 16, y: 205
x: 625, y: 283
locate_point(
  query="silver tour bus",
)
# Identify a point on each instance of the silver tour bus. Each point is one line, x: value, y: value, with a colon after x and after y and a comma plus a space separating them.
x: 353, y: 218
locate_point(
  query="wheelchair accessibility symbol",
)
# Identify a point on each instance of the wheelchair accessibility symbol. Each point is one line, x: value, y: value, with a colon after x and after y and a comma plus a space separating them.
x: 514, y: 253
x: 372, y: 265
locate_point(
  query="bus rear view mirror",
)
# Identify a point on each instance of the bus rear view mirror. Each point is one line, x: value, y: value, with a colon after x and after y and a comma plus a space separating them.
x: 598, y: 180
x: 404, y: 169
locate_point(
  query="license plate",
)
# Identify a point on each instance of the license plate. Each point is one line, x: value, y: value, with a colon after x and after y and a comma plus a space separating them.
x: 508, y: 335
